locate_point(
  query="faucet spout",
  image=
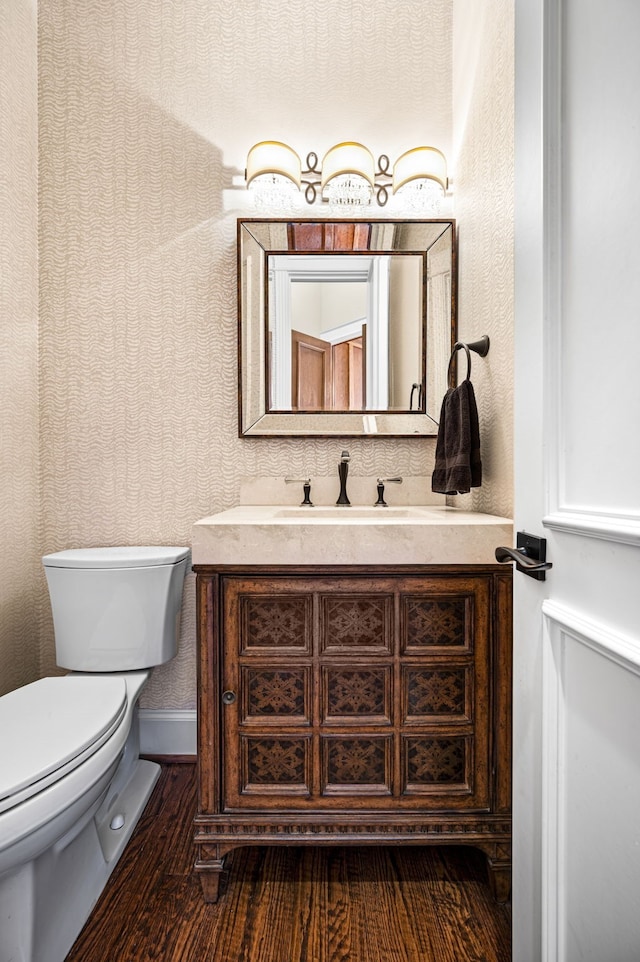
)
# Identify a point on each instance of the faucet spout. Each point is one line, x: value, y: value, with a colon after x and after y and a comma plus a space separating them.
x: 343, y: 471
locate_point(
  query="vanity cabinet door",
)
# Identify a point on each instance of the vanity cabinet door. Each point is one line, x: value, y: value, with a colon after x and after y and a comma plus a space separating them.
x: 356, y: 692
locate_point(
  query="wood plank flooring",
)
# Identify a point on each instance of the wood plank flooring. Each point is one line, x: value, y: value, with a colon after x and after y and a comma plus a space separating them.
x: 389, y: 904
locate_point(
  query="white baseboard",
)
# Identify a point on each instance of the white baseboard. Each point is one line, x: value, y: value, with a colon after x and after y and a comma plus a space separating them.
x: 167, y: 732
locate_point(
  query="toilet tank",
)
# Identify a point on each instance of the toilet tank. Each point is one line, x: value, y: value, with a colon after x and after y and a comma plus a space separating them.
x: 116, y: 609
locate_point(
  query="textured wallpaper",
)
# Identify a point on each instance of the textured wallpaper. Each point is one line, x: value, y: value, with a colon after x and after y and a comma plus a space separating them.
x: 20, y: 573
x: 146, y: 111
x: 483, y: 108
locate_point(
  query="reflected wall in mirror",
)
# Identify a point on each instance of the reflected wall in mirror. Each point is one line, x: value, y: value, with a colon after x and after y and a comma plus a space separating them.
x: 345, y: 327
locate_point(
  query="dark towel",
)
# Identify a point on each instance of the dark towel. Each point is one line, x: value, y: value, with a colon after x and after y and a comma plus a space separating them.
x: 458, y: 466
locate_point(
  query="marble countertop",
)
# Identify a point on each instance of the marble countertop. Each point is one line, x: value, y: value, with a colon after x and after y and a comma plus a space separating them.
x: 353, y: 535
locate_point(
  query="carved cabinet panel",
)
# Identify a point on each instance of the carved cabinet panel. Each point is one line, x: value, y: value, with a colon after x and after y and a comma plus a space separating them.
x: 339, y: 707
x: 347, y: 689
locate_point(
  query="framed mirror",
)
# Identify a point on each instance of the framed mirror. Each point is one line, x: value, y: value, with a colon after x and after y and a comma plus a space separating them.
x: 345, y: 328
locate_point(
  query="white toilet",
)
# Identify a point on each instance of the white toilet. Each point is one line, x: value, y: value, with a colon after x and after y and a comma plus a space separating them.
x: 72, y: 785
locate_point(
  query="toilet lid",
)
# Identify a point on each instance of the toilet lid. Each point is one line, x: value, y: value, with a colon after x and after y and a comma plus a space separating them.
x: 119, y: 557
x: 49, y: 727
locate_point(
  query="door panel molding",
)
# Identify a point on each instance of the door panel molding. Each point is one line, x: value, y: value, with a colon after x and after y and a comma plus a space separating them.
x: 563, y: 626
x: 552, y: 793
x: 604, y: 639
x: 552, y: 143
x: 570, y: 509
x: 591, y: 523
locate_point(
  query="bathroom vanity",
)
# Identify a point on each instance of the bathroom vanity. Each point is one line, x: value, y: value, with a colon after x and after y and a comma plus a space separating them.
x: 353, y: 703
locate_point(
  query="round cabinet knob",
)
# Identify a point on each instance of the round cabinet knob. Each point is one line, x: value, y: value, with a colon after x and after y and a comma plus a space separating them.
x: 228, y: 697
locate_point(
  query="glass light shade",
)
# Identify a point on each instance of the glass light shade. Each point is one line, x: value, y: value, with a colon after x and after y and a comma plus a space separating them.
x: 420, y: 196
x: 273, y: 157
x: 420, y: 163
x: 347, y: 192
x: 348, y: 158
x: 273, y: 193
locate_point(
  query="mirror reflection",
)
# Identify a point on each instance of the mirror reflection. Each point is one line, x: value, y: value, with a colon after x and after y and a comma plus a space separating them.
x: 345, y: 327
x: 345, y: 332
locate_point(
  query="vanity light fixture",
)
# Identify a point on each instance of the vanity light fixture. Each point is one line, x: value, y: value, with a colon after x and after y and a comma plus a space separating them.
x: 421, y: 175
x: 274, y: 173
x: 347, y: 178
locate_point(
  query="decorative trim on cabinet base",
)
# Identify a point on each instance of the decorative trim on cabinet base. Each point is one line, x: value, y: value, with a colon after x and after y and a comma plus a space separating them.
x: 215, y: 839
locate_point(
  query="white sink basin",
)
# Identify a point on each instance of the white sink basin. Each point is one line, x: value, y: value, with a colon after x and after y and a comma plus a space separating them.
x: 349, y: 535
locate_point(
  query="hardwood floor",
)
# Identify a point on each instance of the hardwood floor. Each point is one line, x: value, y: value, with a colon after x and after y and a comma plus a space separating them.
x: 289, y: 904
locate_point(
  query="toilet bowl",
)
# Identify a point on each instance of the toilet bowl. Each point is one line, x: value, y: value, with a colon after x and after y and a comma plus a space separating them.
x: 72, y: 784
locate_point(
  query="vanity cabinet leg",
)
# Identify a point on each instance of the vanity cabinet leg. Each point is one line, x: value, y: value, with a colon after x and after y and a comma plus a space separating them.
x: 499, y: 871
x: 210, y: 872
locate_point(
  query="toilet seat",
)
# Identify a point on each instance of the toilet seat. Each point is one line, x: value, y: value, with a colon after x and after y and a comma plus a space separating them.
x: 51, y: 726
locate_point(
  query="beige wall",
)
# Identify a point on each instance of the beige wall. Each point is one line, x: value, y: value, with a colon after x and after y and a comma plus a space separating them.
x: 147, y: 109
x: 146, y: 112
x: 483, y: 105
x: 20, y: 572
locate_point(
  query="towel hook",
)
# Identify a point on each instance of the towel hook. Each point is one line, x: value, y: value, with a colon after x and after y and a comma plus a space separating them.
x: 481, y: 347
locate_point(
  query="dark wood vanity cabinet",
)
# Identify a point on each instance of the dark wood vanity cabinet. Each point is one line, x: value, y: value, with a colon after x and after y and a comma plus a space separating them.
x: 354, y: 706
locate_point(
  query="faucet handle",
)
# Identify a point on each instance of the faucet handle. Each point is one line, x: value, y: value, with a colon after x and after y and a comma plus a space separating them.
x: 381, y: 503
x: 306, y: 487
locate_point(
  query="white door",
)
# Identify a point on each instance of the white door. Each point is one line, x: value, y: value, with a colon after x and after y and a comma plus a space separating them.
x: 576, y: 888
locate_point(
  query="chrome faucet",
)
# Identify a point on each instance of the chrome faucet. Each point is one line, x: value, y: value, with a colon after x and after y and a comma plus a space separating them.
x: 343, y: 471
